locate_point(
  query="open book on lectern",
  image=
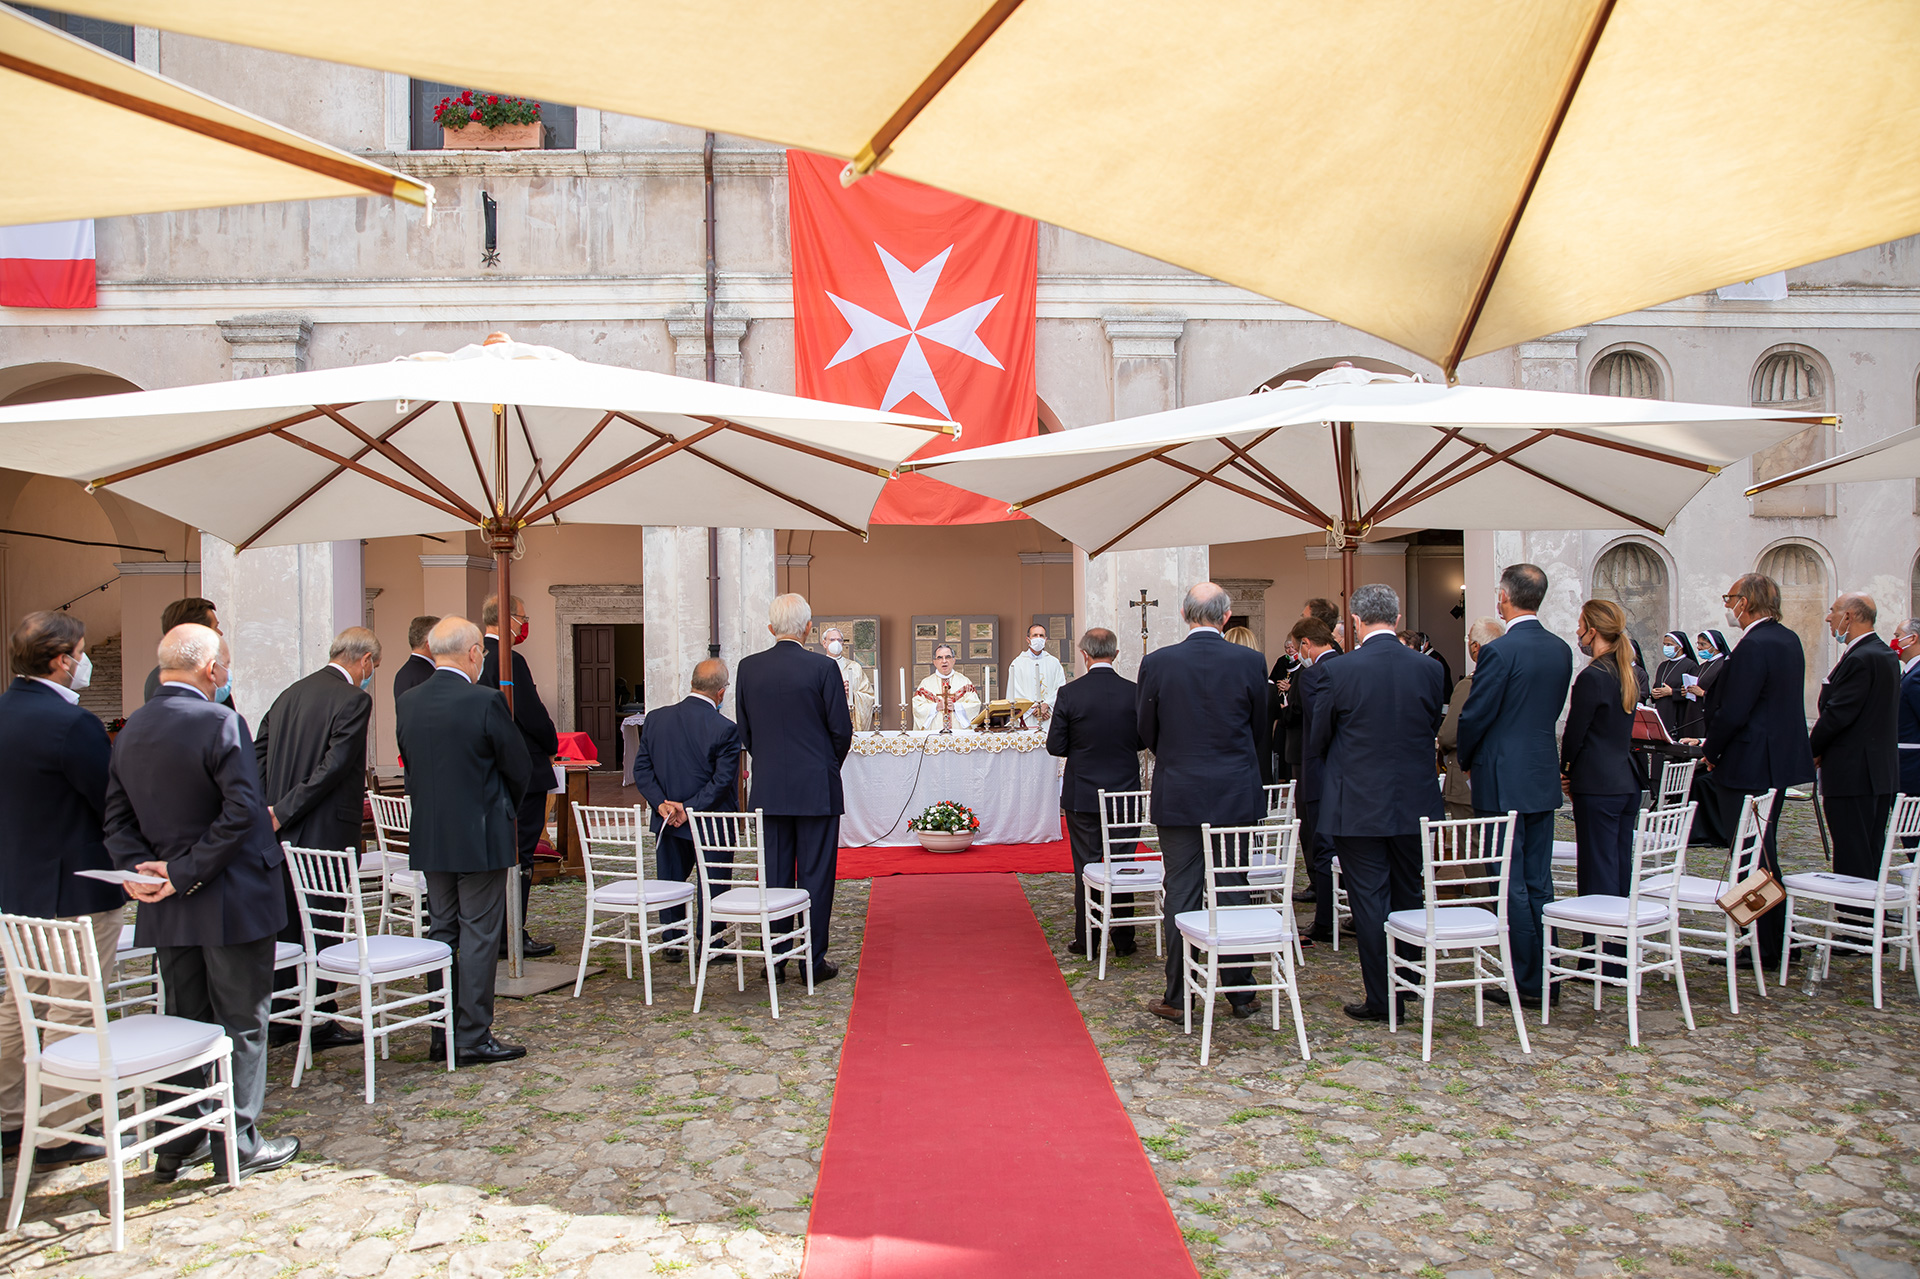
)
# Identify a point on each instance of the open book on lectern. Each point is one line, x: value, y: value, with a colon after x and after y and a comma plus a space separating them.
x: 1001, y: 714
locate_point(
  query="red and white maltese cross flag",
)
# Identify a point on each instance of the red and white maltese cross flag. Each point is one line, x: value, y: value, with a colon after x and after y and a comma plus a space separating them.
x: 909, y: 298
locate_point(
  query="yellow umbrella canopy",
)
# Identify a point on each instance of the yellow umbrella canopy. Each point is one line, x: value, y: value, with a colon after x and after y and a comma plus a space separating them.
x: 97, y: 136
x: 1454, y: 176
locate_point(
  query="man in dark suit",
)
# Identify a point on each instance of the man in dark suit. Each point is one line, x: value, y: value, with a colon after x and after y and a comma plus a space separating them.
x: 1203, y: 714
x: 792, y: 705
x: 184, y: 804
x: 200, y: 612
x: 1757, y: 726
x: 1906, y: 647
x: 419, y: 664
x: 467, y: 770
x: 1370, y: 738
x: 1856, y: 743
x: 542, y: 742
x: 1095, y: 728
x: 312, y: 750
x: 1507, y: 743
x: 688, y: 759
x: 53, y: 790
x: 1315, y: 641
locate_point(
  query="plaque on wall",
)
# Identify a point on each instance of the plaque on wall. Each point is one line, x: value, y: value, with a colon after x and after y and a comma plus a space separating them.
x: 1060, y: 636
x: 976, y: 644
x: 862, y: 635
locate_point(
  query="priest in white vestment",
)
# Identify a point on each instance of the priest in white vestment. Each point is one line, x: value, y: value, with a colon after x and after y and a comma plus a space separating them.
x: 853, y: 677
x: 945, y: 700
x: 1035, y: 676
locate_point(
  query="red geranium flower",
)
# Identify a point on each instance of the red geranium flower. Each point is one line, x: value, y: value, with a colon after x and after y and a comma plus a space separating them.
x: 475, y: 115
x: 493, y: 99
x: 467, y: 96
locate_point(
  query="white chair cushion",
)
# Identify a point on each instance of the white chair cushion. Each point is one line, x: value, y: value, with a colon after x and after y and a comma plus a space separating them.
x: 1259, y: 927
x: 286, y: 953
x: 1127, y: 874
x: 1266, y: 876
x: 1695, y: 890
x: 1824, y: 883
x: 408, y: 881
x: 1450, y: 923
x: 660, y: 892
x: 385, y: 954
x: 1565, y: 850
x: 126, y: 938
x: 746, y: 901
x: 372, y: 863
x: 141, y: 1043
x: 1599, y: 908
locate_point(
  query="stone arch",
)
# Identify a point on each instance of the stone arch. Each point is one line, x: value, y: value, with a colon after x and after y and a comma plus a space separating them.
x: 1794, y: 378
x: 1804, y: 572
x: 1630, y: 370
x: 1313, y: 368
x: 1635, y: 574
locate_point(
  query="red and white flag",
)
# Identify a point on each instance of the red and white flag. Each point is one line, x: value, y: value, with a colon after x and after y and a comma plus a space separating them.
x: 47, y: 264
x: 911, y: 298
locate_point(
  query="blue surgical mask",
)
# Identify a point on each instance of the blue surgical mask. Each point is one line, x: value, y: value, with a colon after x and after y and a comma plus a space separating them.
x: 366, y: 685
x: 225, y: 691
x: 1669, y: 652
x: 1705, y: 654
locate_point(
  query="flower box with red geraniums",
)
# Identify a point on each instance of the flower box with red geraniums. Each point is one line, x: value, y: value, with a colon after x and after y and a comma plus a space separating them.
x: 489, y: 122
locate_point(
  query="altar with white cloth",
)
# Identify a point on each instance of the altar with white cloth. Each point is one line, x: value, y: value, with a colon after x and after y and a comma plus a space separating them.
x: 1007, y: 779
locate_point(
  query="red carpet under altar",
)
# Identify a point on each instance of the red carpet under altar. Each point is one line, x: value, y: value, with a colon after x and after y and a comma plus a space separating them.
x: 1000, y: 859
x: 975, y: 1134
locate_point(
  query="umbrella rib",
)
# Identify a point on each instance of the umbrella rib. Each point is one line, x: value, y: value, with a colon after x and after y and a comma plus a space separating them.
x: 785, y: 497
x: 614, y: 474
x: 335, y: 474
x: 372, y: 474
x: 1280, y: 485
x: 407, y: 464
x: 810, y: 450
x: 201, y: 450
x: 486, y: 489
x: 1071, y: 485
x: 1438, y: 485
x: 1128, y: 530
x: 1650, y: 454
x: 882, y: 142
x: 367, y: 178
x: 1485, y: 288
x: 1568, y: 489
x: 1343, y: 459
x: 1211, y: 478
x: 539, y: 471
x: 1446, y: 437
x: 571, y: 458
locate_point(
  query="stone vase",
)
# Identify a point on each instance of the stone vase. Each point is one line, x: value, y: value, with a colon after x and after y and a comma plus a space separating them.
x: 940, y: 841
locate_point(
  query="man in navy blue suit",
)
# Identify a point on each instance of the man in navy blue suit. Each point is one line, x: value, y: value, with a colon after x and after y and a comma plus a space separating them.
x: 1856, y: 743
x: 689, y: 751
x: 1315, y: 640
x: 1203, y: 714
x: 1507, y: 742
x: 1906, y: 647
x: 53, y: 791
x: 1370, y: 739
x: 1095, y: 728
x: 1757, y: 735
x: 792, y: 705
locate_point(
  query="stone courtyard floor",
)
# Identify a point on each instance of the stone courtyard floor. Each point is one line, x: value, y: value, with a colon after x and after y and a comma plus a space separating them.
x: 635, y: 1141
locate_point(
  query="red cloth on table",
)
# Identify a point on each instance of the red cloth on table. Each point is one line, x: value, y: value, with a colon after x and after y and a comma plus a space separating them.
x: 578, y: 746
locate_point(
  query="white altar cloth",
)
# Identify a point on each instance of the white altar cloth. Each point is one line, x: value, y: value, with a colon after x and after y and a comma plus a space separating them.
x: 1007, y: 779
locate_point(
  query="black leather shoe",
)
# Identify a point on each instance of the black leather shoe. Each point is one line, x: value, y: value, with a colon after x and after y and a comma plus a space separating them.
x: 532, y: 949
x: 331, y: 1036
x: 1308, y: 896
x: 167, y: 1167
x: 1125, y: 948
x: 1243, y: 1011
x: 1364, y: 1012
x: 437, y: 1047
x: 826, y: 970
x: 487, y: 1053
x: 277, y: 1152
x: 1324, y: 938
x: 9, y: 1141
x: 1076, y: 947
x: 76, y: 1152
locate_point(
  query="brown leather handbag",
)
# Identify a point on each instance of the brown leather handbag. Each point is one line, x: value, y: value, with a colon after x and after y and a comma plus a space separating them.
x: 1752, y: 897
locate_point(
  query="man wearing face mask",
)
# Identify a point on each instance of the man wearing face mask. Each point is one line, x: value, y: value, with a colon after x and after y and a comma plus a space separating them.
x: 199, y: 612
x: 1856, y: 742
x: 853, y: 677
x: 312, y: 750
x: 542, y: 742
x: 1906, y: 647
x: 1036, y: 676
x: 53, y: 791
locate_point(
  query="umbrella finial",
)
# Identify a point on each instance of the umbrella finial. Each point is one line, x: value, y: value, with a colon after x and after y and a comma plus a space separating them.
x: 495, y: 338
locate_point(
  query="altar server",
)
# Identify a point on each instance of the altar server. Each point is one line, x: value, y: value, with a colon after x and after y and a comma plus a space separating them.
x: 853, y: 677
x: 946, y: 700
x: 1035, y: 676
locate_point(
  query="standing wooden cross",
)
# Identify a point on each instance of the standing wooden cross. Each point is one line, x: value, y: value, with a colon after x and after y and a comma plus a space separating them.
x: 1143, y: 604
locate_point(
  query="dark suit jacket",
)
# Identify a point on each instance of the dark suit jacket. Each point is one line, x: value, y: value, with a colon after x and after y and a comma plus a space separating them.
x: 1203, y: 714
x: 1371, y: 737
x: 1309, y: 682
x: 412, y: 674
x: 1507, y: 726
x: 529, y: 712
x: 1857, y: 737
x: 312, y: 750
x: 467, y: 771
x: 1095, y: 728
x: 794, y: 722
x: 1757, y: 718
x: 688, y: 753
x: 183, y: 787
x: 53, y: 792
x: 1596, y: 752
x: 1910, y: 731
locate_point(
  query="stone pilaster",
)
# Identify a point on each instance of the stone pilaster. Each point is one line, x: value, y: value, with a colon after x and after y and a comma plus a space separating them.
x: 1552, y: 363
x: 689, y: 332
x: 267, y: 342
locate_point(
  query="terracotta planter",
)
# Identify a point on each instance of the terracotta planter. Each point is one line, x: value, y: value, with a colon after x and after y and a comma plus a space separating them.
x: 506, y: 137
x: 936, y: 841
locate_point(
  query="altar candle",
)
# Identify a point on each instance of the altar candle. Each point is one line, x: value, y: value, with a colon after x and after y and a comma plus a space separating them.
x: 903, y: 697
x: 989, y: 683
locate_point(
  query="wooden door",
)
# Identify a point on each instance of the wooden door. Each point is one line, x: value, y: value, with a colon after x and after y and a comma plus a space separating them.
x: 594, y: 710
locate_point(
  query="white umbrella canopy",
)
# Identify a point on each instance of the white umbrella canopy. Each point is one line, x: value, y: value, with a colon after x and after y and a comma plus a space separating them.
x: 1351, y: 451
x: 102, y: 137
x: 1895, y: 458
x: 1453, y: 177
x: 495, y: 437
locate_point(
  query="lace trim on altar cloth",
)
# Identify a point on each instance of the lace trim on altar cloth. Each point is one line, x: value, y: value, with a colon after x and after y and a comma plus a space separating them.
x: 940, y: 743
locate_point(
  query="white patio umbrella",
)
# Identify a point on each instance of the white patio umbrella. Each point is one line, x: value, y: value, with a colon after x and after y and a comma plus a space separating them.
x: 97, y: 136
x: 1352, y: 451
x: 1895, y: 458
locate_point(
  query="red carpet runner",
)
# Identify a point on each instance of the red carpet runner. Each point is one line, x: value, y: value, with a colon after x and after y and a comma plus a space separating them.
x: 975, y: 1134
x: 997, y: 859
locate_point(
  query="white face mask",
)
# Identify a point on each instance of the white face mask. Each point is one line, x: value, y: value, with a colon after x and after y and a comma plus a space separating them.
x: 1036, y: 642
x: 834, y: 647
x: 82, y: 674
x: 1733, y: 619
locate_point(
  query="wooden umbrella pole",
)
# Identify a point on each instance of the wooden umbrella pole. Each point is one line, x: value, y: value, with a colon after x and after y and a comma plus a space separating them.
x: 499, y: 531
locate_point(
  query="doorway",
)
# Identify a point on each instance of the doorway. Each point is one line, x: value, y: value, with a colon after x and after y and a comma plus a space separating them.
x: 609, y: 666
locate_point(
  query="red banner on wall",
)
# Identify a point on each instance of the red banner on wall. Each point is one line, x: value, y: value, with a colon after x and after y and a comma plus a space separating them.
x: 909, y: 298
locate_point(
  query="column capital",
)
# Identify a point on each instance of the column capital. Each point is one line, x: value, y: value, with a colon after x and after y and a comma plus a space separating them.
x: 1144, y: 334
x: 268, y: 342
x: 688, y: 328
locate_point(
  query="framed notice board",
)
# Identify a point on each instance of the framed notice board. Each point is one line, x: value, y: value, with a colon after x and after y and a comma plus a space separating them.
x: 976, y: 646
x: 863, y: 646
x: 1060, y: 637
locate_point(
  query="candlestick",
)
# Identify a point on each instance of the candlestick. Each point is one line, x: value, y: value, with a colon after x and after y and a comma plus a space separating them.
x: 905, y: 719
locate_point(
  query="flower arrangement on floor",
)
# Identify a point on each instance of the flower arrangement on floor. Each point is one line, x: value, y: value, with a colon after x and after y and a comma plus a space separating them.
x: 489, y: 111
x: 945, y: 818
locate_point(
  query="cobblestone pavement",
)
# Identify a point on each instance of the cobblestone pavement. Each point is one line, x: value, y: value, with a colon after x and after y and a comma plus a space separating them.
x: 637, y: 1141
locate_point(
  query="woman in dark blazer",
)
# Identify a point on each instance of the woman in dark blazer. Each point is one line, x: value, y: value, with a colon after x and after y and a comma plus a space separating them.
x: 1596, y: 753
x: 1679, y: 713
